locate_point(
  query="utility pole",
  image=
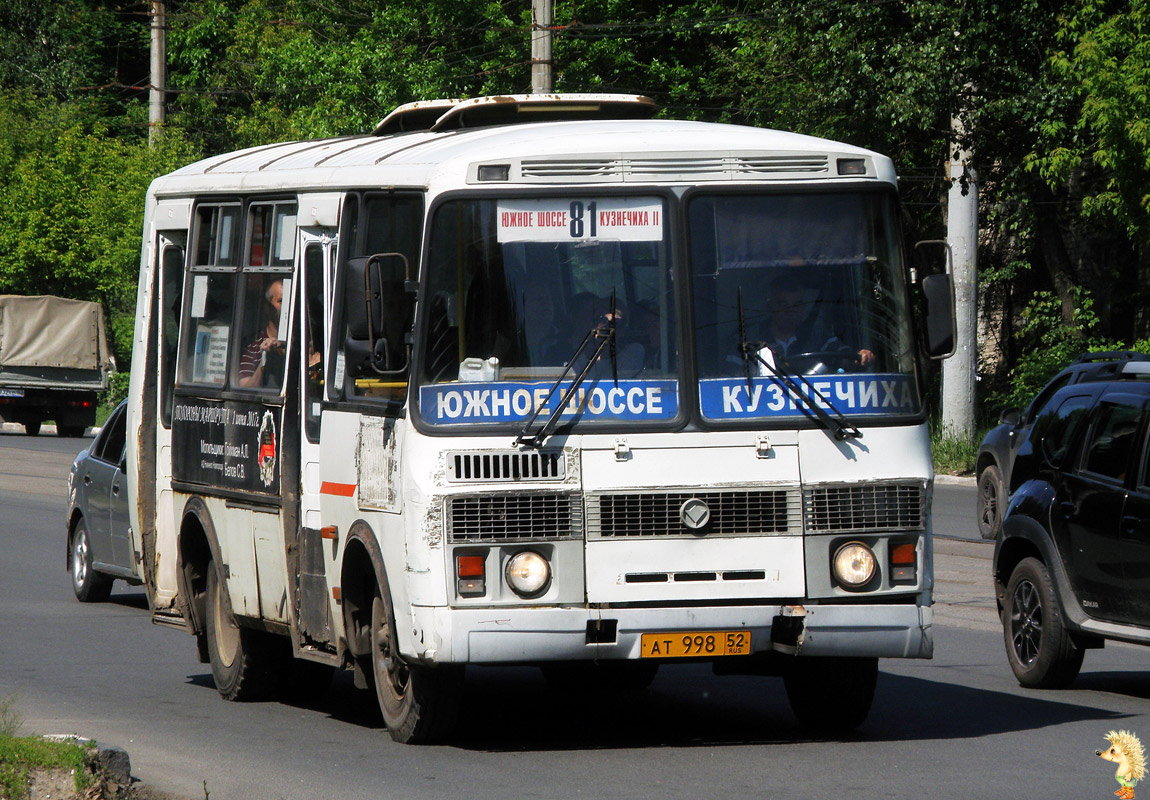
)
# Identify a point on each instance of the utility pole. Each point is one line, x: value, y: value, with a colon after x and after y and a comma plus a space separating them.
x: 958, y: 371
x: 158, y: 19
x: 541, y: 46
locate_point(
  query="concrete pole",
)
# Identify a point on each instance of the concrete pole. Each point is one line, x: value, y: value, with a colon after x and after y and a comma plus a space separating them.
x: 159, y: 70
x: 541, y: 46
x: 958, y: 371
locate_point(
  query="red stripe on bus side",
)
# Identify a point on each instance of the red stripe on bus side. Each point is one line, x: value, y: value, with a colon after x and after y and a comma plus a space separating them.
x: 337, y: 489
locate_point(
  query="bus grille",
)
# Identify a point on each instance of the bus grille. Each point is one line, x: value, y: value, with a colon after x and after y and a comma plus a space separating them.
x: 865, y: 507
x: 732, y: 513
x: 510, y: 465
x: 512, y: 517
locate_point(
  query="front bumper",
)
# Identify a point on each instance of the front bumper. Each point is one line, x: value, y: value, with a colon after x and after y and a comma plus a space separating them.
x: 528, y: 635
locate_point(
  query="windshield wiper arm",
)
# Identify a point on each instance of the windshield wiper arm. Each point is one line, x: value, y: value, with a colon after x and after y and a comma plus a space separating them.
x: 606, y: 335
x: 843, y: 430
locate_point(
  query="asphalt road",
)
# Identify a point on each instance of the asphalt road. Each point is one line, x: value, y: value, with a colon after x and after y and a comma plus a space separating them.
x: 955, y: 726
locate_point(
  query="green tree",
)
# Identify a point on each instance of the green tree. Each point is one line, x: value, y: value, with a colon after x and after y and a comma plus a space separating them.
x: 1103, y: 151
x: 74, y: 205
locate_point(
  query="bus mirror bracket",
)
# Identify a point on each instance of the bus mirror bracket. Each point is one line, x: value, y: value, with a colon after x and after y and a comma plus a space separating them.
x: 938, y: 291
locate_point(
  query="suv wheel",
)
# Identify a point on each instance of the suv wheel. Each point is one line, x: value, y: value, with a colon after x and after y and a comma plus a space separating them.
x: 1038, y: 645
x: 991, y: 501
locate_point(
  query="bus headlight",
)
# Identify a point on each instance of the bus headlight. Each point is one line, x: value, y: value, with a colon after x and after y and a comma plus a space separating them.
x: 854, y: 565
x: 528, y: 573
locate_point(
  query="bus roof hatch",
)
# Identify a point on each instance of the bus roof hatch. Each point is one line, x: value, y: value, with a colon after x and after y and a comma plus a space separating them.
x: 440, y: 115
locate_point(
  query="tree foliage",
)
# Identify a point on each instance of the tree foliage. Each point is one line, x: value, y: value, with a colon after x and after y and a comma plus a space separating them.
x: 1051, y: 96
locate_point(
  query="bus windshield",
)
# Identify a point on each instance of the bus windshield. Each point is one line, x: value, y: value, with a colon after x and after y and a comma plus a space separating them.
x: 791, y: 293
x: 810, y: 285
x: 516, y: 286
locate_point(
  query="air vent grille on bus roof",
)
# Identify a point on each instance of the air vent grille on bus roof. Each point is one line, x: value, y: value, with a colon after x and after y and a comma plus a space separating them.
x: 642, y: 168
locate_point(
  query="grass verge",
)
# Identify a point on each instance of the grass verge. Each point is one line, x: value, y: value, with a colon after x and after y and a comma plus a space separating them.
x: 953, y: 454
x: 20, y: 756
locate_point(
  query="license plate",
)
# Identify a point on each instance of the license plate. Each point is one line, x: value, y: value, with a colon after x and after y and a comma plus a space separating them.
x: 11, y: 392
x: 696, y: 644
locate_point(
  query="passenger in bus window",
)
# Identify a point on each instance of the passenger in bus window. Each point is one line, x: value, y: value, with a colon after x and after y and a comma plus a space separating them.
x: 261, y: 363
x: 790, y: 333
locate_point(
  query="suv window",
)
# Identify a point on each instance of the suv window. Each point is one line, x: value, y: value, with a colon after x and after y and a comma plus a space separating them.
x: 1058, y: 428
x: 1111, y: 441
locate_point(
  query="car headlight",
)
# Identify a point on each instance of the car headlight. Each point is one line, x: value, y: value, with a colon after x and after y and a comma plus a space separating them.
x: 528, y: 573
x: 854, y: 565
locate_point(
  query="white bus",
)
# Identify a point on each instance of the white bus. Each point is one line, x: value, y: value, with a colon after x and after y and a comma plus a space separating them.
x: 505, y: 382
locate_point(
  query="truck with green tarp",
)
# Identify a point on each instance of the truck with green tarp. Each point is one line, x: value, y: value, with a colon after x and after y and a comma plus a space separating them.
x: 54, y: 361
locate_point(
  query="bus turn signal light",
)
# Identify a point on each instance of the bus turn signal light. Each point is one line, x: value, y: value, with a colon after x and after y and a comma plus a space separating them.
x: 902, y: 554
x: 470, y: 576
x: 903, y: 563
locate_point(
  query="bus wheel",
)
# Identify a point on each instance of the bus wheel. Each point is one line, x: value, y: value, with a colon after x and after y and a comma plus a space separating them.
x: 831, y: 695
x: 242, y: 660
x: 419, y: 704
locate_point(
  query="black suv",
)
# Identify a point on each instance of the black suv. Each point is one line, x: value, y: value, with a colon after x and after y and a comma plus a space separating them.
x: 996, y: 453
x: 1072, y: 555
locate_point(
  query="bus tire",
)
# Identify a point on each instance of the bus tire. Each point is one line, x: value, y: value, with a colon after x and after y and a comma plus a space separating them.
x: 831, y: 695
x: 242, y: 660
x: 419, y: 704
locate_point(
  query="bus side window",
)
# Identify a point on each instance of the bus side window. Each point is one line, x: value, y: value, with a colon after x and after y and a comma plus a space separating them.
x: 375, y: 315
x: 172, y: 283
x: 261, y: 346
x: 210, y: 294
x: 312, y: 328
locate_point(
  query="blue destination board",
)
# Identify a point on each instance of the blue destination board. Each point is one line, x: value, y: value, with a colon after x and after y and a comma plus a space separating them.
x: 851, y: 395
x: 510, y: 401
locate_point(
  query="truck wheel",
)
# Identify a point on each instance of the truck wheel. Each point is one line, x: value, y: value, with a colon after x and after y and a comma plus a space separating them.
x: 1038, y: 646
x: 32, y: 428
x: 70, y: 431
x: 991, y: 501
x: 419, y: 704
x: 90, y: 586
x: 243, y: 660
x: 831, y: 694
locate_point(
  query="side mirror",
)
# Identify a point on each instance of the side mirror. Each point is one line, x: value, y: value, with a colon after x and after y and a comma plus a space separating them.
x: 1010, y: 416
x: 378, y: 304
x: 938, y: 290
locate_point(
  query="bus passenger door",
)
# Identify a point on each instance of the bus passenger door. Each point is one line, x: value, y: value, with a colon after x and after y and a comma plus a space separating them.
x: 169, y: 298
x: 316, y: 248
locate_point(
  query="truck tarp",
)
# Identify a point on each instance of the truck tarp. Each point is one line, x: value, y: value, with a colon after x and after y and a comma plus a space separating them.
x: 51, y: 333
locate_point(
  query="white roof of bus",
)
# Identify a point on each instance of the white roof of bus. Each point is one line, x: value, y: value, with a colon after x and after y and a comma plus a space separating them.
x: 424, y: 158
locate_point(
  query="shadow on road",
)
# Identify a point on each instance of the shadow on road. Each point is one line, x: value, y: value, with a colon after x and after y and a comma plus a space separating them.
x: 514, y: 709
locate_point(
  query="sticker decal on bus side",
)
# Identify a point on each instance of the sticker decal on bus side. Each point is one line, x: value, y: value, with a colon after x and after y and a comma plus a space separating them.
x: 228, y: 444
x: 730, y: 398
x: 508, y: 401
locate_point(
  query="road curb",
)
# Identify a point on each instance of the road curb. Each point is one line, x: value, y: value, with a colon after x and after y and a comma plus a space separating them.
x: 48, y: 427
x: 114, y: 761
x: 959, y: 480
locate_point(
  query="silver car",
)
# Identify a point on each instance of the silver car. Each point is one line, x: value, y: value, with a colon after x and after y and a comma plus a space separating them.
x: 99, y: 541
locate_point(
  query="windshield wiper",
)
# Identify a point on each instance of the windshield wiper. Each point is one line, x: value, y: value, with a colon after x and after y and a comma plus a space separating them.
x: 606, y: 336
x: 843, y: 430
